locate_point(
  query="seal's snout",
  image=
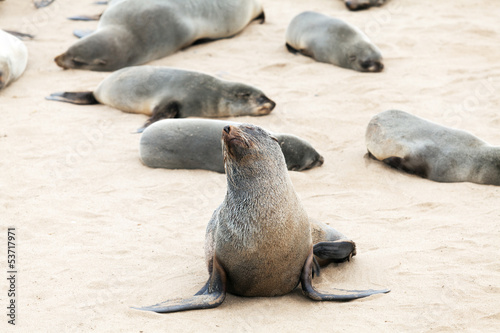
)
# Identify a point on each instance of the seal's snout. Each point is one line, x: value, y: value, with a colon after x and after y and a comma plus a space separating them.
x: 321, y: 160
x: 60, y: 61
x: 372, y: 66
x: 2, y: 80
x: 266, y: 105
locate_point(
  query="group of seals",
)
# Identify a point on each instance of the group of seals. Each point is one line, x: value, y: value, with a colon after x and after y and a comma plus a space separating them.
x: 134, y: 32
x: 331, y: 40
x: 259, y: 240
x: 196, y: 144
x: 163, y: 92
x: 363, y: 4
x: 432, y: 151
x: 13, y: 58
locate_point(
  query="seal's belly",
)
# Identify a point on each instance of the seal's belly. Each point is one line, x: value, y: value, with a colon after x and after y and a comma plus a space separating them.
x: 269, y: 271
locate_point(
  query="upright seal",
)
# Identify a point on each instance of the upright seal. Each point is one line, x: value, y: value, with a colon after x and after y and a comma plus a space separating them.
x: 162, y: 92
x: 432, y: 151
x: 134, y: 32
x: 13, y: 58
x: 259, y: 241
x: 330, y: 40
x: 196, y: 144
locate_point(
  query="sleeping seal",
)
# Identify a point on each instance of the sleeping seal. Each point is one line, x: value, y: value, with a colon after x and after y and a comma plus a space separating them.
x: 13, y: 58
x: 363, y: 4
x: 196, y: 144
x: 163, y: 92
x: 259, y: 241
x: 429, y: 150
x: 330, y: 40
x: 134, y: 32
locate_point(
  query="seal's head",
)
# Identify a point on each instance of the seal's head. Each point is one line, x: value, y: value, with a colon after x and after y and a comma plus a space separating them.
x: 250, y: 151
x: 241, y: 99
x: 299, y: 154
x: 365, y: 57
x: 100, y: 51
x: 4, y: 73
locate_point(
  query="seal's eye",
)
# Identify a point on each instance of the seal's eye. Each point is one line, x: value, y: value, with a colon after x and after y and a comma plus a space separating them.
x: 243, y: 95
x: 274, y: 138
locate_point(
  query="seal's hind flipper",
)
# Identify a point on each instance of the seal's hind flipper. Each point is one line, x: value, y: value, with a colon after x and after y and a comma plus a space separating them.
x: 85, y: 17
x: 169, y: 110
x: 82, y: 33
x: 336, y: 251
x: 210, y: 296
x: 80, y: 98
x: 42, y: 3
x: 20, y: 35
x: 344, y: 296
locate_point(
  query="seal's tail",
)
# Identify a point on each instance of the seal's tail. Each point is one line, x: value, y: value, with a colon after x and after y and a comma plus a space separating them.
x: 81, y: 98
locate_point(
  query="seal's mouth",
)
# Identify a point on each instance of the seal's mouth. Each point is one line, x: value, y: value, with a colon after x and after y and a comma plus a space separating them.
x: 372, y: 66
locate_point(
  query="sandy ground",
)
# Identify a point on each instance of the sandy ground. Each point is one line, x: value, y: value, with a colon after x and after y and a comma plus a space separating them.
x: 99, y: 232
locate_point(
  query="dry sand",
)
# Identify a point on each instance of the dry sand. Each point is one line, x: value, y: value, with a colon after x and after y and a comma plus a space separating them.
x: 99, y: 232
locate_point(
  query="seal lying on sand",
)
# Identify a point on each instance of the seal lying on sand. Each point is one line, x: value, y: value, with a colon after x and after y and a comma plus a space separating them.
x: 330, y: 40
x: 162, y: 92
x: 258, y: 242
x: 13, y: 58
x: 134, y: 32
x: 196, y: 144
x: 429, y: 150
x: 363, y: 4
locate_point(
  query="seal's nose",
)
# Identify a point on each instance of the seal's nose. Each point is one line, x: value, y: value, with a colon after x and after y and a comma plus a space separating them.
x: 227, y: 129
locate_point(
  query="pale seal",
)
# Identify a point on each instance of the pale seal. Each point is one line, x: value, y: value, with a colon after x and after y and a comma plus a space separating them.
x: 432, y: 151
x: 13, y: 58
x: 196, y: 144
x: 259, y: 241
x: 330, y: 40
x: 363, y: 4
x: 134, y: 32
x: 163, y: 92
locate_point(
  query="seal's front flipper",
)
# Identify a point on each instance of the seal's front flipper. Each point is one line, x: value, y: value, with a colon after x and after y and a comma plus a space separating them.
x: 344, y: 296
x: 336, y: 251
x: 82, y: 33
x: 291, y: 49
x: 101, y: 2
x: 210, y: 296
x: 414, y: 166
x: 42, y: 3
x: 80, y: 98
x: 261, y: 17
x: 169, y: 110
x: 85, y: 17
